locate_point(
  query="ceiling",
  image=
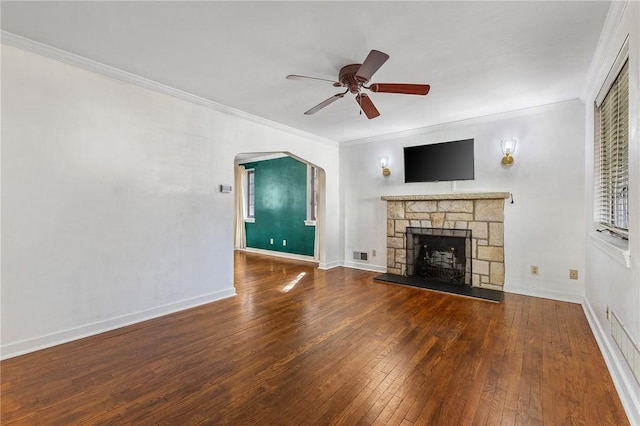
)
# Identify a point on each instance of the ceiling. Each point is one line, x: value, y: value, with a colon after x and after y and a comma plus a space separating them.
x: 480, y: 57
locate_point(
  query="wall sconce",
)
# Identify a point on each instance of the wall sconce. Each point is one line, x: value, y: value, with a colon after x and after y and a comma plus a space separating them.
x: 384, y: 164
x: 508, y: 148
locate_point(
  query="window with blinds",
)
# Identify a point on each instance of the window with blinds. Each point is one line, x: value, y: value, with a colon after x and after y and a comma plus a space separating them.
x: 251, y: 194
x: 611, y: 157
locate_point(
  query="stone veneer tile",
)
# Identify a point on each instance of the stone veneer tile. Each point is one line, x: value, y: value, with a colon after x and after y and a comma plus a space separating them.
x: 496, y: 234
x: 489, y: 210
x: 401, y: 226
x: 480, y: 267
x: 496, y: 275
x: 390, y: 227
x: 459, y: 216
x: 391, y: 255
x: 395, y: 242
x: 495, y: 254
x: 401, y: 256
x: 418, y: 216
x: 461, y: 225
x: 437, y: 219
x: 479, y: 229
x: 460, y: 206
x: 421, y: 206
x: 395, y: 209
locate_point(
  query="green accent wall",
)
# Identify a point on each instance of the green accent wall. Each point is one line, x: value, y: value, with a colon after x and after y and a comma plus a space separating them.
x: 280, y: 207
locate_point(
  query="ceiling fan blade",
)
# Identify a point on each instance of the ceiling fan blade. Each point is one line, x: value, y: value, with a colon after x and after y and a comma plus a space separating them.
x: 367, y: 106
x: 304, y: 77
x: 324, y: 103
x: 407, y: 89
x: 374, y: 61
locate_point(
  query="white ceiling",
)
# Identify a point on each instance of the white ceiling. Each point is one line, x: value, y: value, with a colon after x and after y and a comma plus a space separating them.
x: 480, y: 57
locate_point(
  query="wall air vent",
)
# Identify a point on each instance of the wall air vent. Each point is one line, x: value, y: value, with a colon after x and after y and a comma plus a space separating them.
x: 628, y: 347
x: 360, y: 255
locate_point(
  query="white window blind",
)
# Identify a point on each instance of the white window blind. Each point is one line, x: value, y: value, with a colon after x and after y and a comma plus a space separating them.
x: 611, y: 157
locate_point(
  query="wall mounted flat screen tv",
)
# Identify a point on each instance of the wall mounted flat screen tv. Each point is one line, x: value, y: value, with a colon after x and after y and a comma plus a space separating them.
x: 437, y: 162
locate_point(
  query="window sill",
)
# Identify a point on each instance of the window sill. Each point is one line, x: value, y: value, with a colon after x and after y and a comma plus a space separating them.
x: 249, y: 220
x: 616, y: 248
x: 309, y: 223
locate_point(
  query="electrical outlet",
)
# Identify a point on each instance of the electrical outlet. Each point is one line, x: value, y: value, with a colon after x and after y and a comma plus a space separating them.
x: 284, y: 243
x: 373, y: 253
x: 534, y: 270
x: 573, y: 274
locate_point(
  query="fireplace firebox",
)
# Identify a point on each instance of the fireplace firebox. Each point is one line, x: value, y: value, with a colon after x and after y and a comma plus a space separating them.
x: 439, y: 254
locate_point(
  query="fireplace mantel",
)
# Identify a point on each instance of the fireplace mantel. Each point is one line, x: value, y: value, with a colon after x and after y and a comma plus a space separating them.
x: 480, y: 212
x: 449, y: 196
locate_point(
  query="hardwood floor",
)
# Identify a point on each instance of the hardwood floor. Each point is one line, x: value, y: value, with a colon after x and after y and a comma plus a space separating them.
x: 304, y: 346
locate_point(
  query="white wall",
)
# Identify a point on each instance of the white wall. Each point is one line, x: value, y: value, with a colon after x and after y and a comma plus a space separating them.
x: 609, y: 281
x: 544, y: 226
x: 111, y: 211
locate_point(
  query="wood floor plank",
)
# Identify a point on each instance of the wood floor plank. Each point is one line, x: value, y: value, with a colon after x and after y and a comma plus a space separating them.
x: 299, y: 345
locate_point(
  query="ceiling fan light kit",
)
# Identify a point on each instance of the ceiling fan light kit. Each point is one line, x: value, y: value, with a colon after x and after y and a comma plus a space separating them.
x: 354, y: 78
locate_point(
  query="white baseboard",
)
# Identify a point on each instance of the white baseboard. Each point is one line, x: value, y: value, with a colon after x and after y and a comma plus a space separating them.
x: 622, y: 377
x: 329, y: 265
x: 282, y: 254
x: 42, y: 342
x: 365, y: 267
x: 545, y: 294
x: 321, y: 265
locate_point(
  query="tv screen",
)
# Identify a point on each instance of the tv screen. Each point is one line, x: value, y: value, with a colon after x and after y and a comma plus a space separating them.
x: 436, y: 162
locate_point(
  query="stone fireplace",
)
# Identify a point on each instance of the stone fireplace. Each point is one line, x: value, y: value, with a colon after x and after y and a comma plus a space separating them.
x: 480, y: 213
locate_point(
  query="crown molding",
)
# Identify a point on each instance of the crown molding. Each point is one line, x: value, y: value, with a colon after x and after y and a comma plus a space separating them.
x: 23, y: 43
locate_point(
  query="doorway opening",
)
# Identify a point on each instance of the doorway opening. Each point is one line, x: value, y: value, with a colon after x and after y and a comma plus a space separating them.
x: 279, y: 205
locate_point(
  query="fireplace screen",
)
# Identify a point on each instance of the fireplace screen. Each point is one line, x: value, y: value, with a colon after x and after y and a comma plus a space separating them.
x: 439, y: 254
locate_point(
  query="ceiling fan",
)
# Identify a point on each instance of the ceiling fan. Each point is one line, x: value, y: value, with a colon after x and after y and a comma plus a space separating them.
x: 355, y: 77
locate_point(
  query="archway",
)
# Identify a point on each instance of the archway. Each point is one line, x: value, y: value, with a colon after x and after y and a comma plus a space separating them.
x: 241, y: 205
